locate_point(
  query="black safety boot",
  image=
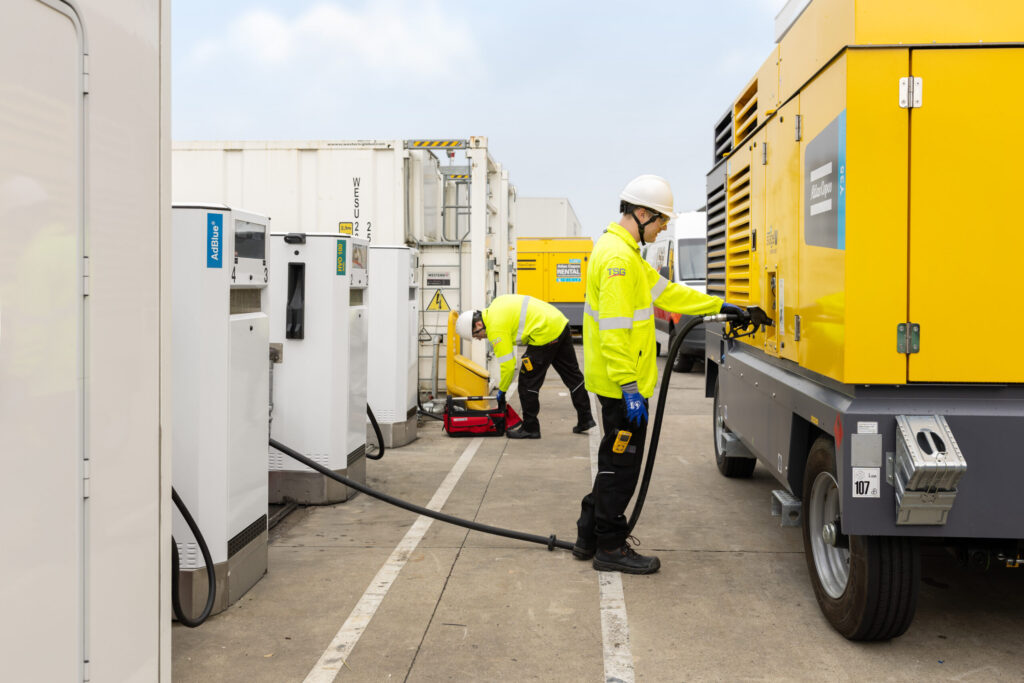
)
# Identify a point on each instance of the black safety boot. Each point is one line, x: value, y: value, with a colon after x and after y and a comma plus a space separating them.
x: 584, y: 425
x: 582, y: 550
x: 519, y: 432
x: 626, y: 560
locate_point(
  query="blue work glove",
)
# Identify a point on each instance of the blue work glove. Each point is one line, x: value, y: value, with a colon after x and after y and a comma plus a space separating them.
x: 636, y: 409
x: 501, y: 398
x: 737, y: 315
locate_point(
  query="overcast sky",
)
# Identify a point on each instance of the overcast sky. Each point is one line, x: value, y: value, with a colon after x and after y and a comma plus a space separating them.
x: 576, y: 98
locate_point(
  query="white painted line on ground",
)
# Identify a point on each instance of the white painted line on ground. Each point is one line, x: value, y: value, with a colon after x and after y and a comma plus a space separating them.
x: 618, y: 658
x: 333, y: 658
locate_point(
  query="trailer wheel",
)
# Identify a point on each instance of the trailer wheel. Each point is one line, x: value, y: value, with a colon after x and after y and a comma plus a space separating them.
x: 734, y: 468
x: 866, y: 586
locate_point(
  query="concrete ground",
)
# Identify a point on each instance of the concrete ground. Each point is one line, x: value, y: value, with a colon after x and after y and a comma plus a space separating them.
x: 732, y: 601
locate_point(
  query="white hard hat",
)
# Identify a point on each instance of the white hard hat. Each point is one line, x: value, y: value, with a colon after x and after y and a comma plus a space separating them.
x: 464, y: 325
x: 649, y: 192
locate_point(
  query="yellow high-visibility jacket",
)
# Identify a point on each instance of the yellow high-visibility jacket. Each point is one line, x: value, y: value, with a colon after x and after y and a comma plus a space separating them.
x: 618, y: 316
x: 513, y: 319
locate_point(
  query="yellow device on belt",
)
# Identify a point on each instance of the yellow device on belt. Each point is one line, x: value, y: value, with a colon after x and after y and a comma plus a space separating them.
x: 527, y: 364
x: 621, y: 441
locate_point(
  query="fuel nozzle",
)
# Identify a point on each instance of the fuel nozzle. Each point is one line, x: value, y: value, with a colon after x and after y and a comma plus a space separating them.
x: 743, y: 322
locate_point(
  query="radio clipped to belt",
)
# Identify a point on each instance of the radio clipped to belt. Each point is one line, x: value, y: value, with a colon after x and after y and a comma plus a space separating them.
x: 527, y: 364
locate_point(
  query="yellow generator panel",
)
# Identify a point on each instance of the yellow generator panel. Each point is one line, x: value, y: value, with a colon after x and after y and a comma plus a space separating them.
x: 860, y: 193
x: 554, y: 269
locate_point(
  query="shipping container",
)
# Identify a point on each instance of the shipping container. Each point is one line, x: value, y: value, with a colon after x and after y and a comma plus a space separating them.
x: 458, y: 214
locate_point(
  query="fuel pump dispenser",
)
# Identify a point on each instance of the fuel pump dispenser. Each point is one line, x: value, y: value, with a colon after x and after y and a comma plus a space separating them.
x: 393, y: 304
x: 319, y: 326
x: 220, y: 338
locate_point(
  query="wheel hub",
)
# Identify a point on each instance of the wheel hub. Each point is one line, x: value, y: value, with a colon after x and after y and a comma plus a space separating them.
x: 831, y: 558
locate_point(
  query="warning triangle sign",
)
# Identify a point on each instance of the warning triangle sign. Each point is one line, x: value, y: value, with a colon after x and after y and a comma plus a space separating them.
x: 438, y: 302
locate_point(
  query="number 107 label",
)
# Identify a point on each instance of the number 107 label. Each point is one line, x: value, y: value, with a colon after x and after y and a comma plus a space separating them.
x: 865, y: 482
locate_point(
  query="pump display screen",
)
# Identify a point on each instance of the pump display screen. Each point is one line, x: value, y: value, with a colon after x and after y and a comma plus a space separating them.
x: 250, y: 240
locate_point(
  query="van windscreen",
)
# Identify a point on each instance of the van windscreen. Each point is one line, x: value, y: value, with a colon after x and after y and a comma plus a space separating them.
x: 693, y: 259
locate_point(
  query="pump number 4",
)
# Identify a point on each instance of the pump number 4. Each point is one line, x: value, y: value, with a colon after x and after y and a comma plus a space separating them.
x: 865, y: 482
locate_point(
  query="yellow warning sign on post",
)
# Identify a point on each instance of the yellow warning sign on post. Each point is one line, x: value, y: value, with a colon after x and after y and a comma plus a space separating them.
x: 438, y: 302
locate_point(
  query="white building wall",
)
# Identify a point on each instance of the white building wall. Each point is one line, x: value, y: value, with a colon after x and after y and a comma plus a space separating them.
x: 546, y: 217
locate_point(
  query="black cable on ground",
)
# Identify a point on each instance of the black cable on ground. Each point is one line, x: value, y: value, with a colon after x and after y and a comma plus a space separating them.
x: 424, y: 411
x: 550, y: 541
x: 211, y: 575
x: 380, y: 437
x: 652, y: 448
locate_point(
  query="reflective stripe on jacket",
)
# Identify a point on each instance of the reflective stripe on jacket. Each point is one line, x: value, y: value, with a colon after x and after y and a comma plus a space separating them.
x: 513, y: 319
x: 618, y: 316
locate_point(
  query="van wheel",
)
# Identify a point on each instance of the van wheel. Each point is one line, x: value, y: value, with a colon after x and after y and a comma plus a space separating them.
x: 866, y: 586
x: 734, y: 468
x: 684, y: 363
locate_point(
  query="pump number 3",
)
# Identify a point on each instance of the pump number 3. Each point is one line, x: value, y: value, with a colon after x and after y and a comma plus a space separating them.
x: 865, y: 482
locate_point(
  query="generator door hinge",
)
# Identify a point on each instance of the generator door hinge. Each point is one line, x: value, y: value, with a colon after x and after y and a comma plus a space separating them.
x: 85, y: 479
x: 798, y: 131
x: 796, y: 328
x: 911, y: 92
x: 908, y: 338
x: 764, y: 154
x: 85, y: 276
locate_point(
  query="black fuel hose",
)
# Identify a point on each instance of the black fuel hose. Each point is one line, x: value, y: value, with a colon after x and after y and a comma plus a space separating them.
x: 211, y: 575
x: 380, y: 437
x: 550, y: 541
x: 652, y: 448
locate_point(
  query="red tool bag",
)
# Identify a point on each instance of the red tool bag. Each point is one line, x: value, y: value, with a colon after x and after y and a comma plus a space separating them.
x: 461, y: 421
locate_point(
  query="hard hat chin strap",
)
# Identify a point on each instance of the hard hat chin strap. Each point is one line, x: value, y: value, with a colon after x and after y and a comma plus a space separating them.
x: 641, y: 226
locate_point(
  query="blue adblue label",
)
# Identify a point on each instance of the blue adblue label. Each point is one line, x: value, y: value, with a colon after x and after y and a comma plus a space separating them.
x: 214, y: 240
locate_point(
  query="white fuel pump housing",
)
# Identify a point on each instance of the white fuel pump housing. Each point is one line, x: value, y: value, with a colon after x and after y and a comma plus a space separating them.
x: 318, y: 334
x: 394, y: 309
x: 220, y: 341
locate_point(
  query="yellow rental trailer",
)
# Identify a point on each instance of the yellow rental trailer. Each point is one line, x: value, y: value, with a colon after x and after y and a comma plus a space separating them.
x: 864, y: 192
x: 554, y: 269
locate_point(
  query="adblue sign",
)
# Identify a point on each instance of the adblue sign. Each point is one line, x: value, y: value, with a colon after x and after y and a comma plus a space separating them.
x: 214, y: 240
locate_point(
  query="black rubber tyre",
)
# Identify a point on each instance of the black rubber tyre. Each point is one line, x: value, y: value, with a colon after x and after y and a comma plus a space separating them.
x: 872, y: 597
x: 657, y: 348
x: 734, y: 468
x: 684, y: 363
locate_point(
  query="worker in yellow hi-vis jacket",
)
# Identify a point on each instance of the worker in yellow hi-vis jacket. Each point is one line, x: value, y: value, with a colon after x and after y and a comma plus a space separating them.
x: 619, y: 359
x: 513, y: 319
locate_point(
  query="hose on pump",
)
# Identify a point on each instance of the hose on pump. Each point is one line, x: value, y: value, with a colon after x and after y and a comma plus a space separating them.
x: 376, y: 431
x: 211, y: 575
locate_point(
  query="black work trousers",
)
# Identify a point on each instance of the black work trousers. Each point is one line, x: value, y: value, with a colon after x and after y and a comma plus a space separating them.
x: 562, y: 356
x: 602, y: 513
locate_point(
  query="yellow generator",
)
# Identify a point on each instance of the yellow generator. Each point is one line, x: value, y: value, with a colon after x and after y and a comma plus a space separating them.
x: 554, y: 269
x: 862, y: 193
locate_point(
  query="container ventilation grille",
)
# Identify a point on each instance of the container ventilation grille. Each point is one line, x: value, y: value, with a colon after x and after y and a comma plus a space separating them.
x: 737, y: 243
x: 723, y: 137
x: 744, y: 113
x: 716, y: 232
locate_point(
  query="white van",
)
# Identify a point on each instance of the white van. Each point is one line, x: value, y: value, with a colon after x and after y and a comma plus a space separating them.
x: 680, y: 255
